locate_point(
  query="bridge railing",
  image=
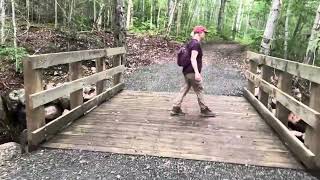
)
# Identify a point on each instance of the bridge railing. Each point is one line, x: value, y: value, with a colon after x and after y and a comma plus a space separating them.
x: 37, y: 97
x: 308, y: 152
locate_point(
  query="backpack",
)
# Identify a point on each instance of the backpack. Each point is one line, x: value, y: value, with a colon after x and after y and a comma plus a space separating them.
x: 184, y: 56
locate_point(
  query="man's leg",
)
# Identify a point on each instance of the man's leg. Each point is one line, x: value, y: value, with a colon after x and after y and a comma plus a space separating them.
x: 198, y: 89
x: 178, y: 101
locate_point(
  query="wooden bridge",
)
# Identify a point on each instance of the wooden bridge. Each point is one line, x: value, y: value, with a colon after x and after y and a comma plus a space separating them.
x: 130, y: 122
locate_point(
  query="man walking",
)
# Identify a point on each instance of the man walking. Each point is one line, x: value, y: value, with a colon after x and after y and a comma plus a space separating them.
x: 192, y: 75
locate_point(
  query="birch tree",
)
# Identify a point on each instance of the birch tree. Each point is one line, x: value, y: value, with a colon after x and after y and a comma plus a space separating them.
x: 313, y: 45
x: 56, y: 14
x: 14, y: 24
x: 286, y: 37
x: 171, y: 18
x: 100, y: 16
x: 270, y: 27
x: 2, y: 21
x: 239, y: 16
x: 221, y: 15
x: 129, y: 14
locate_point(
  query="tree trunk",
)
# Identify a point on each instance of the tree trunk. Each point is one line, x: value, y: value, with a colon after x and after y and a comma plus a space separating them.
x: 238, y: 22
x: 248, y: 16
x: 171, y: 18
x: 14, y: 24
x: 143, y: 9
x: 99, y: 20
x: 286, y: 37
x: 129, y: 14
x: 270, y: 27
x: 179, y: 17
x: 56, y: 14
x: 70, y: 12
x: 2, y: 21
x: 94, y: 11
x: 158, y: 19
x: 151, y: 13
x: 234, y: 25
x: 28, y: 9
x: 14, y: 32
x: 313, y: 45
x: 119, y: 35
x: 221, y: 16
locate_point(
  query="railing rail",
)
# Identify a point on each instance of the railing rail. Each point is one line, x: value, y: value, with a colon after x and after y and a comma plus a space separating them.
x: 309, y: 151
x: 36, y: 97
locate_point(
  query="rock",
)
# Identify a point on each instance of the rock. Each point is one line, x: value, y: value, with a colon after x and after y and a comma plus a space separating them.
x: 66, y: 111
x: 89, y: 89
x: 9, y: 151
x: 3, y: 113
x: 94, y: 70
x: 89, y: 92
x: 16, y: 97
x: 87, y: 97
x: 64, y: 102
x: 50, y: 86
x: 52, y: 112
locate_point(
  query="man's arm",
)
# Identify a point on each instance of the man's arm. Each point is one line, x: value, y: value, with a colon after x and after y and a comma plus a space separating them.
x: 194, y: 63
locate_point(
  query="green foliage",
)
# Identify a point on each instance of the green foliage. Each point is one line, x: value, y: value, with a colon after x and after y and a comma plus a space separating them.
x: 14, y: 55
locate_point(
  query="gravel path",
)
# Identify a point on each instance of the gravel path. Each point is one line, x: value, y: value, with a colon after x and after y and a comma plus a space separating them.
x: 60, y: 164
x: 222, y: 77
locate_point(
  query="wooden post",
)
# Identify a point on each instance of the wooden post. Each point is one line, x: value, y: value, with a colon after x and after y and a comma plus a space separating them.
x: 35, y: 117
x: 253, y: 68
x: 266, y: 74
x: 313, y: 134
x: 101, y: 66
x: 285, y: 85
x: 76, y: 98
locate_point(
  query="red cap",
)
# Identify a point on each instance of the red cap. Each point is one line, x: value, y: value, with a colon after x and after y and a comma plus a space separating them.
x: 200, y: 29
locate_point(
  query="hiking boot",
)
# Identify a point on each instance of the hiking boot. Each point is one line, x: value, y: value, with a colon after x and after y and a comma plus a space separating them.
x: 207, y: 113
x: 177, y: 111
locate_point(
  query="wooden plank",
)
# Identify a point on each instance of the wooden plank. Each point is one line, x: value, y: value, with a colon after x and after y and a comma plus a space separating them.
x: 90, y: 125
x: 295, y: 145
x: 182, y: 155
x: 58, y: 124
x: 313, y: 134
x: 100, y: 66
x: 76, y: 97
x: 35, y: 117
x: 195, y: 146
x: 115, y: 51
x: 44, y: 97
x: 48, y: 60
x: 284, y: 85
x: 301, y: 70
x: 310, y: 116
x: 266, y: 74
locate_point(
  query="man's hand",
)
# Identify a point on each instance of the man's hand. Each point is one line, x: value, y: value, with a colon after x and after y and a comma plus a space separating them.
x: 198, y: 77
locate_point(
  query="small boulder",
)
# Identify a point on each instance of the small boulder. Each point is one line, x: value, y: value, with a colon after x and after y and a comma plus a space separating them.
x: 9, y: 151
x: 52, y: 112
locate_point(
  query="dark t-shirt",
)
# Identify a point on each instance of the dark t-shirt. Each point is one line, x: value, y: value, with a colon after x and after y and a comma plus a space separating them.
x: 194, y: 45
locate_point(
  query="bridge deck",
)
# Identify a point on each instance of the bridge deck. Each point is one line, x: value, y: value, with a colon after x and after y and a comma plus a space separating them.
x: 139, y: 123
